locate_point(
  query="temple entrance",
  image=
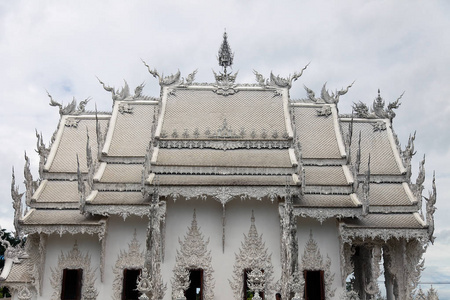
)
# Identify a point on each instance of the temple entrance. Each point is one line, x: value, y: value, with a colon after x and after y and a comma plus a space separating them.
x: 71, y: 284
x: 195, y: 290
x: 130, y: 277
x: 314, y: 285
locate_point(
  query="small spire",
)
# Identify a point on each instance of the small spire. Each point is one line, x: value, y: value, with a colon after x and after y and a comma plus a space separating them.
x: 225, y: 55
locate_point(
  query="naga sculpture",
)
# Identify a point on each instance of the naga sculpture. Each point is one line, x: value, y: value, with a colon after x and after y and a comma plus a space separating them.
x: 164, y: 81
x: 71, y: 108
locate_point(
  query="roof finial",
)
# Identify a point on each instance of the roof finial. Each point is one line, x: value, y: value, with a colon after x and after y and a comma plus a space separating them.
x: 225, y: 56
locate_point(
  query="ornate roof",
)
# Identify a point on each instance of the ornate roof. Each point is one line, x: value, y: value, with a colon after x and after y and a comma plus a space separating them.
x: 224, y: 141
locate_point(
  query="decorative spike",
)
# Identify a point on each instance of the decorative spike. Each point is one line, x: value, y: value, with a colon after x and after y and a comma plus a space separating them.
x: 225, y: 55
x: 29, y: 183
x: 418, y: 186
x: 89, y: 162
x: 431, y: 208
x: 17, y: 204
x: 366, y: 189
x: 43, y: 153
x: 98, y: 132
x: 349, y: 141
x: 358, y: 155
x: 81, y: 187
x: 408, y: 153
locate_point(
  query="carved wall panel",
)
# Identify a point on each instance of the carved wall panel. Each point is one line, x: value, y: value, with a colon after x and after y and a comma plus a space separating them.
x: 312, y: 260
x: 193, y: 254
x: 252, y: 255
x: 74, y: 259
x: 131, y: 259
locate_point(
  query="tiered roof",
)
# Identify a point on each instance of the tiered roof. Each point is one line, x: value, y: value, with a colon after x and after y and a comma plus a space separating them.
x: 225, y: 141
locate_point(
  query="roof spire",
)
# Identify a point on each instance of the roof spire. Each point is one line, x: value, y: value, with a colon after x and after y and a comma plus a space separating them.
x: 225, y: 56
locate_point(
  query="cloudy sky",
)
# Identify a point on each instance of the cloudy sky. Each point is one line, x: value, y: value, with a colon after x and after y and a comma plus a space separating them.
x: 395, y: 46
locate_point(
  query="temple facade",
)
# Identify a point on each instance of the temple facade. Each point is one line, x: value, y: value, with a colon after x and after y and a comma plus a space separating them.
x: 221, y: 191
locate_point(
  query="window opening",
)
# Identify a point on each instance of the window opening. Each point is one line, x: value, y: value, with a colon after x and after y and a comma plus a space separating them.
x: 130, y: 277
x: 195, y: 290
x: 248, y: 294
x: 71, y: 284
x: 314, y: 285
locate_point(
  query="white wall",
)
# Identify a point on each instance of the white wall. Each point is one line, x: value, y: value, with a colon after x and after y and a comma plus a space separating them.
x: 209, y: 219
x: 55, y: 244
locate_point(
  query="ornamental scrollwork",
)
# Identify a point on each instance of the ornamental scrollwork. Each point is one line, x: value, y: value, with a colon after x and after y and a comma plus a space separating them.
x: 327, y: 213
x: 348, y: 235
x: 63, y: 229
x: 123, y: 210
x: 131, y: 259
x: 74, y: 259
x: 240, y: 192
x: 224, y: 144
x: 253, y: 255
x: 193, y: 254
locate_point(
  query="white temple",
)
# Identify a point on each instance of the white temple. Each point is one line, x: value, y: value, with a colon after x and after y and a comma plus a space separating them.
x: 221, y: 191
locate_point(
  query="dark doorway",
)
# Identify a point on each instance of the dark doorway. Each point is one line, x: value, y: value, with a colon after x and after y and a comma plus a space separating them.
x: 71, y: 284
x: 248, y: 294
x: 314, y: 285
x: 195, y: 290
x: 130, y: 277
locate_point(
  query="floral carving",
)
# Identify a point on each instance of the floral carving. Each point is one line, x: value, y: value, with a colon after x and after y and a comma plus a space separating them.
x: 131, y: 259
x: 252, y: 255
x: 193, y: 254
x: 74, y: 259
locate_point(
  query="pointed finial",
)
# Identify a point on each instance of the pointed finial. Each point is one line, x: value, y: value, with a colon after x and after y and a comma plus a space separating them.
x: 225, y: 56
